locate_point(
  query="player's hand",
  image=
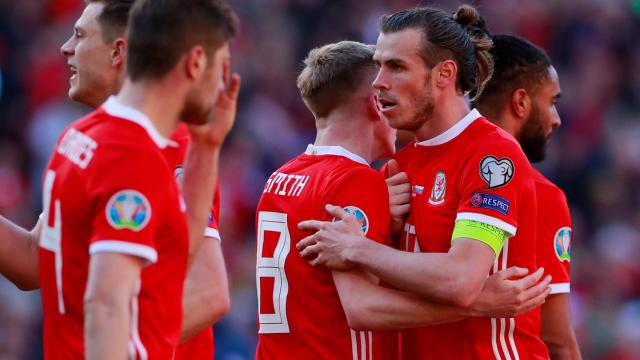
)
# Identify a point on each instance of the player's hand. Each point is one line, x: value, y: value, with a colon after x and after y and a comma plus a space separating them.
x: 223, y: 116
x: 399, y: 196
x: 502, y: 296
x: 333, y: 241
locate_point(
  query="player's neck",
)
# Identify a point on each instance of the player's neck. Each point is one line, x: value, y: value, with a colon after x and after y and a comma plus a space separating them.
x: 160, y: 105
x: 349, y: 133
x: 447, y: 113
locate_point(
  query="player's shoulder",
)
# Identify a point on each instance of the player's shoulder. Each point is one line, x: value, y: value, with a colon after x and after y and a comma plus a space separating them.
x: 546, y: 188
x: 488, y: 139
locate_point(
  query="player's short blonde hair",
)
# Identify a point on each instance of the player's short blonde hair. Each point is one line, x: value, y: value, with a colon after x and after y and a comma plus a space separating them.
x: 333, y: 73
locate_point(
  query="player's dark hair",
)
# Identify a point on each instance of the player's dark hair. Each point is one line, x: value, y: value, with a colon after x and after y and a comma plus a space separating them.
x: 113, y: 18
x: 161, y: 31
x: 461, y: 37
x: 518, y: 64
x: 333, y: 73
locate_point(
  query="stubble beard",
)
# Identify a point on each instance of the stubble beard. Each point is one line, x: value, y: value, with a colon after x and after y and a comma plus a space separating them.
x: 532, y: 137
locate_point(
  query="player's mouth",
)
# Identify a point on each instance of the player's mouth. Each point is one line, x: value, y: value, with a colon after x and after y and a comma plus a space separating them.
x: 74, y: 72
x: 385, y: 104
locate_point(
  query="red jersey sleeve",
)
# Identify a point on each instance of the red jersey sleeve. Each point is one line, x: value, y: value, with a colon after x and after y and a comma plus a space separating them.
x: 363, y: 193
x: 127, y: 204
x: 492, y: 183
x: 554, y: 236
x: 211, y: 230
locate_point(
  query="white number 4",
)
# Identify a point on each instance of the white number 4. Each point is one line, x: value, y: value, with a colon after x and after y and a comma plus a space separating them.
x: 273, y: 267
x: 51, y: 236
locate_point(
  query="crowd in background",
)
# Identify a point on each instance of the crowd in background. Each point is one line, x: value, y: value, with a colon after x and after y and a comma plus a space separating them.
x: 594, y: 157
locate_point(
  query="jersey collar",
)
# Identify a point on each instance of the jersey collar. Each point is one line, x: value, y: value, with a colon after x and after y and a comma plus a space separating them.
x: 453, y: 131
x: 115, y: 108
x: 334, y: 150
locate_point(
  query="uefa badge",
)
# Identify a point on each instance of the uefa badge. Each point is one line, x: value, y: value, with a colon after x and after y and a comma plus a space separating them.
x: 439, y: 189
x: 496, y: 172
x: 359, y: 215
x: 128, y: 209
x: 562, y: 244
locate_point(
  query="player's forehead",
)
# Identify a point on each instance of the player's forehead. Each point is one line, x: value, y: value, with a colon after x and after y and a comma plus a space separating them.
x: 552, y: 83
x: 402, y: 45
x: 88, y: 20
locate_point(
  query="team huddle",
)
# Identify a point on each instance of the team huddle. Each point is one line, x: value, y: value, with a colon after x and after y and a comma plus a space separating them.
x: 456, y: 249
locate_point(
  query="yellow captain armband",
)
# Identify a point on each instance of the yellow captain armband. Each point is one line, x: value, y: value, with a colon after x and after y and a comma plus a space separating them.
x: 488, y: 234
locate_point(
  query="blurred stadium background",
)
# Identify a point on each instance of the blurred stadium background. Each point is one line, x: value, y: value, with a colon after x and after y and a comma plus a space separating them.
x: 594, y: 156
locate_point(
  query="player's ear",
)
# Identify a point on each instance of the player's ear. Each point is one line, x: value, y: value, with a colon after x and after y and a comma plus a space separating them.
x: 195, y: 62
x: 372, y: 107
x: 445, y: 73
x: 118, y: 53
x: 520, y: 103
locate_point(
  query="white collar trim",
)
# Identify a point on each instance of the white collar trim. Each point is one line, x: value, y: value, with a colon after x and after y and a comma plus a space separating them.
x: 453, y: 131
x: 115, y: 108
x: 334, y: 150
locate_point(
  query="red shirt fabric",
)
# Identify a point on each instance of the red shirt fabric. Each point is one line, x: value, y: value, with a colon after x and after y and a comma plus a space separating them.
x: 473, y: 171
x: 108, y: 188
x: 554, y: 233
x: 300, y: 314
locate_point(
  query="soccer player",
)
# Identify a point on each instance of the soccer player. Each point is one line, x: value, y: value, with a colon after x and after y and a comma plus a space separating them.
x: 472, y: 201
x: 96, y: 53
x: 307, y: 311
x: 114, y: 242
x: 521, y: 98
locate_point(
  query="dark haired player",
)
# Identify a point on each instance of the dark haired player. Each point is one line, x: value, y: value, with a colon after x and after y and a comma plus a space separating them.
x: 114, y: 239
x: 96, y: 53
x: 472, y: 200
x: 521, y: 98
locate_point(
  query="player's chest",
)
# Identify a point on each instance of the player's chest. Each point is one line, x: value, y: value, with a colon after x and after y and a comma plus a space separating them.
x: 435, y: 198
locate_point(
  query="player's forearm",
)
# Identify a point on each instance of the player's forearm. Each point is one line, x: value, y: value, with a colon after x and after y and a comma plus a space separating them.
x: 205, y: 298
x: 200, y: 176
x: 106, y: 329
x: 19, y: 255
x: 435, y: 276
x: 557, y: 330
x: 371, y: 307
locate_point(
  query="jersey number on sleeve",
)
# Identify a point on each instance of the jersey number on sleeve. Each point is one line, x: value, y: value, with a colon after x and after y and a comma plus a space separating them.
x: 272, y: 229
x: 51, y: 236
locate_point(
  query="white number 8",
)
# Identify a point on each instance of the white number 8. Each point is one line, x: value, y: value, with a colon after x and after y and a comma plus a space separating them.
x: 273, y: 267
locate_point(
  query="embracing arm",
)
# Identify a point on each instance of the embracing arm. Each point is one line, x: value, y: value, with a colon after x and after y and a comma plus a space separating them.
x: 557, y: 331
x: 368, y: 306
x: 113, y: 281
x: 455, y: 277
x: 19, y: 254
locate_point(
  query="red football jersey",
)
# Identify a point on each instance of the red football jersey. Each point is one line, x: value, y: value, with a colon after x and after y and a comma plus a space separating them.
x: 300, y: 314
x: 201, y: 346
x: 473, y: 171
x: 108, y: 188
x: 554, y: 233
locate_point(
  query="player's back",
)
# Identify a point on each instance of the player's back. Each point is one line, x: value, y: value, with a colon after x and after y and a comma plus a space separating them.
x: 92, y: 204
x: 300, y: 314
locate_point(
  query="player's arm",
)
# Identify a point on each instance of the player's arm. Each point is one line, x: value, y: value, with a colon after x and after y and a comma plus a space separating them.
x: 368, y: 306
x: 455, y: 277
x: 201, y: 163
x: 112, y: 283
x: 205, y: 297
x: 557, y: 331
x: 19, y: 254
